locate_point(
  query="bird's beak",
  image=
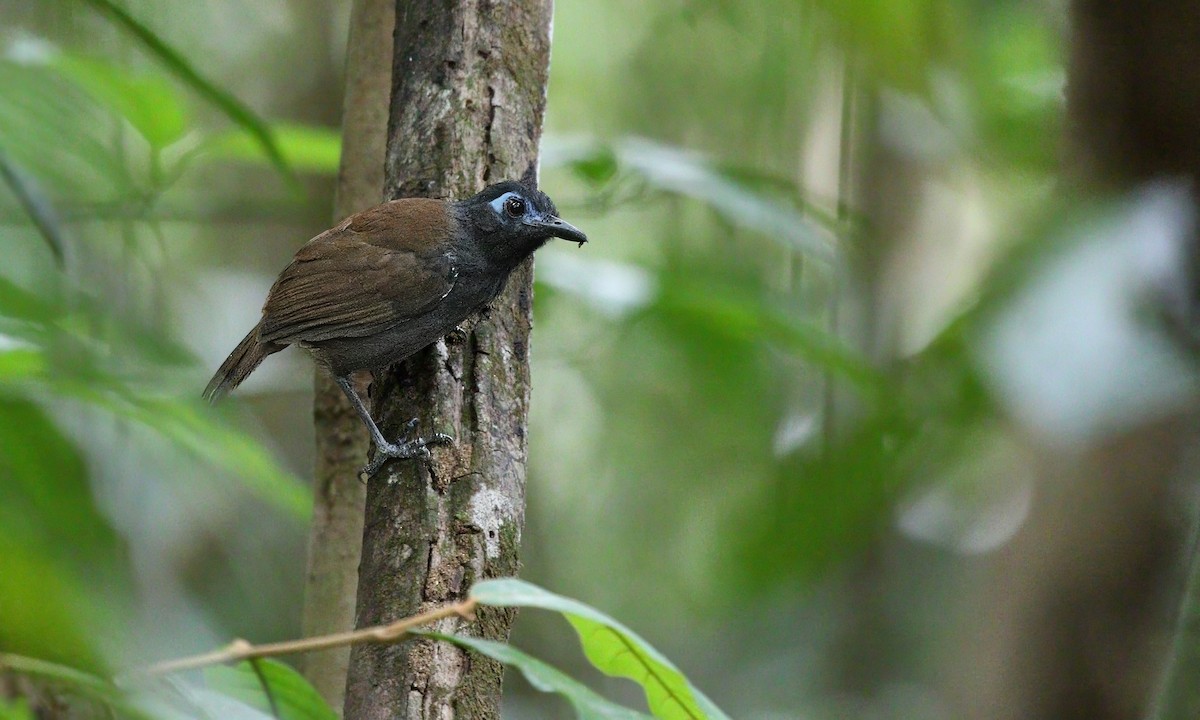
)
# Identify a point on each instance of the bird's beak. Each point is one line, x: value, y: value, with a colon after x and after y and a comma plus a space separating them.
x: 562, y: 229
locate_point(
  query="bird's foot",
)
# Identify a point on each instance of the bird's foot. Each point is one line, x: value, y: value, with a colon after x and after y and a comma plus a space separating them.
x: 406, y: 449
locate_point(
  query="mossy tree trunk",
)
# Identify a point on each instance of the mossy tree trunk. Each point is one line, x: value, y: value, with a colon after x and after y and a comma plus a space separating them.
x: 468, y: 94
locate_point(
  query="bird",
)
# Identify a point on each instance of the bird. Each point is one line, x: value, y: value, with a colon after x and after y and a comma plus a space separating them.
x: 388, y: 281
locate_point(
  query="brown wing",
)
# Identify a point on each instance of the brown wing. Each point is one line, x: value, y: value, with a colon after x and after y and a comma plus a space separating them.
x: 371, y: 272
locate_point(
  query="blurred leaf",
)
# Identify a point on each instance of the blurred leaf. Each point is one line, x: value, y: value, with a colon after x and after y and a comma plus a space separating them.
x: 611, y: 647
x: 147, y: 101
x: 217, y: 706
x: 47, y: 611
x: 45, y: 489
x: 294, y: 698
x: 822, y: 506
x: 21, y: 363
x: 587, y: 704
x: 598, y: 167
x: 57, y: 132
x: 724, y: 310
x: 20, y: 304
x: 53, y: 541
x: 901, y: 41
x: 65, y: 358
x: 76, y: 682
x: 1073, y: 354
x: 18, y: 709
x: 190, y: 425
x: 307, y: 148
x: 689, y: 174
x: 37, y: 205
x: 176, y: 63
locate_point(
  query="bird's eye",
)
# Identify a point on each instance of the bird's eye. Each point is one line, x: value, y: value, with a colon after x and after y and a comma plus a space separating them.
x: 514, y: 206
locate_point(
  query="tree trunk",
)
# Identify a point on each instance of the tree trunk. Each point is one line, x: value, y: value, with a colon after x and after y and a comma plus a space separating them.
x: 335, y: 540
x: 1078, y: 607
x: 468, y: 93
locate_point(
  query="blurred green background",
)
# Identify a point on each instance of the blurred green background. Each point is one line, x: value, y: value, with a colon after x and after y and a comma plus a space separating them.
x: 791, y: 406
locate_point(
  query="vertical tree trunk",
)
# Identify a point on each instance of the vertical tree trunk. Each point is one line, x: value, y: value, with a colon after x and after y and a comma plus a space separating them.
x: 1078, y: 606
x: 335, y: 540
x: 469, y: 83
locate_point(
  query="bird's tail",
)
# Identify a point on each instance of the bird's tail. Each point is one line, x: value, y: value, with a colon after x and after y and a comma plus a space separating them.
x: 240, y: 363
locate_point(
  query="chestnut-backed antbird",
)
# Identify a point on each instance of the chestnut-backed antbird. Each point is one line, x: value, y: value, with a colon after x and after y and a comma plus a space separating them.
x: 391, y: 280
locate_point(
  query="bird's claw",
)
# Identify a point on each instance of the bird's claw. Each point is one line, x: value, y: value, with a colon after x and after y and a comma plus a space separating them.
x: 404, y: 450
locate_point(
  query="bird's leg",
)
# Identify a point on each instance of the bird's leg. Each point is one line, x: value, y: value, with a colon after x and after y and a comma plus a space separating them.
x: 403, y: 450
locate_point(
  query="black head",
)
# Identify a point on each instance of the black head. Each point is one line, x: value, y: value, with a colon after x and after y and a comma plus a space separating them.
x: 511, y: 219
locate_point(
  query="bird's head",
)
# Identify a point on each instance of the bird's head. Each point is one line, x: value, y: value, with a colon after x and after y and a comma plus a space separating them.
x: 513, y: 218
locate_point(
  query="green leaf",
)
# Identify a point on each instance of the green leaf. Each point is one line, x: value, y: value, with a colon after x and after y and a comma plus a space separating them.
x: 20, y: 304
x: 588, y: 705
x: 16, y: 710
x: 21, y: 363
x: 293, y: 698
x: 80, y: 683
x: 727, y: 311
x: 307, y: 148
x: 53, y: 540
x: 58, y: 133
x: 86, y: 371
x: 147, y: 101
x: 188, y: 424
x: 613, y: 648
x: 176, y: 63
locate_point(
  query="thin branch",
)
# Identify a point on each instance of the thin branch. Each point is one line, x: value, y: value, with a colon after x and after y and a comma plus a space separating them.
x: 241, y: 650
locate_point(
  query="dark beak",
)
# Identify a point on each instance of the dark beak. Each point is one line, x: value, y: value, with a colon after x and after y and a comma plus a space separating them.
x: 562, y: 229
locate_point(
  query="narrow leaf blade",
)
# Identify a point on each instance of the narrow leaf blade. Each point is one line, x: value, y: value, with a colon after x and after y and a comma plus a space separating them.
x: 293, y: 697
x: 613, y: 648
x: 174, y: 61
x: 546, y: 678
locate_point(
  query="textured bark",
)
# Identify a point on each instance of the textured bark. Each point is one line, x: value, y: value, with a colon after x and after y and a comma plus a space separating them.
x: 335, y: 539
x: 467, y: 102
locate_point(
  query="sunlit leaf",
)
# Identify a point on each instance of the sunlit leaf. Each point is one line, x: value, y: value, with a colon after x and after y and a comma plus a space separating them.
x: 15, y: 710
x: 611, y: 647
x: 44, y: 605
x: 307, y: 148
x: 21, y: 363
x: 690, y: 174
x: 147, y: 101
x: 900, y: 40
x: 290, y: 694
x: 587, y: 704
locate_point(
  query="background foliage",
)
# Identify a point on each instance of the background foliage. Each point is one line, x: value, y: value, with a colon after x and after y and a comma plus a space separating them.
x: 785, y: 405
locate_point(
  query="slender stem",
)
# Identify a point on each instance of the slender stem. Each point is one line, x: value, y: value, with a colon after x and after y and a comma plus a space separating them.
x: 242, y: 650
x: 1175, y: 696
